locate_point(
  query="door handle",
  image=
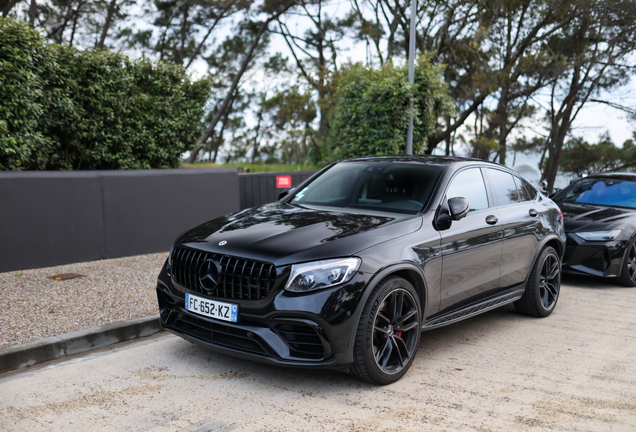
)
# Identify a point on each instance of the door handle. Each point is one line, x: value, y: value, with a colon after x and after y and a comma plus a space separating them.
x: 533, y: 213
x: 491, y: 220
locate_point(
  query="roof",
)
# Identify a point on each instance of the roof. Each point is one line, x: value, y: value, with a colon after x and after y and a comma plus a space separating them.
x: 614, y: 175
x: 439, y: 160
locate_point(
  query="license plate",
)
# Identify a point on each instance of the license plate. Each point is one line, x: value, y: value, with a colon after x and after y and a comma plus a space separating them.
x: 211, y: 308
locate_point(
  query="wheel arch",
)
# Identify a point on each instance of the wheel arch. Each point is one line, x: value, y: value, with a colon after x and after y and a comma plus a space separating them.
x: 408, y: 271
x: 556, y: 243
x: 553, y: 241
x: 631, y: 239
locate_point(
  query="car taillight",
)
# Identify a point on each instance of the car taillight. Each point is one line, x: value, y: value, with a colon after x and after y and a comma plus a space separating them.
x: 560, y: 216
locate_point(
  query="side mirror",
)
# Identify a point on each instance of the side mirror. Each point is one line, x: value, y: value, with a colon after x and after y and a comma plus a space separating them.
x: 285, y: 192
x: 458, y: 208
x: 453, y: 210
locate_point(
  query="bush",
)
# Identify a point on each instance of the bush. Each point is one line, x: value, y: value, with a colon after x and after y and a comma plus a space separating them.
x: 24, y: 62
x: 63, y: 109
x: 371, y: 113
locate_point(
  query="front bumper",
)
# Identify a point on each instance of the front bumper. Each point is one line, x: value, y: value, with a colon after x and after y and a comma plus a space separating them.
x: 302, y: 330
x: 593, y: 258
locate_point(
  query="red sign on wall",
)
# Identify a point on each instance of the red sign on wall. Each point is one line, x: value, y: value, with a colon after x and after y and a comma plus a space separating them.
x: 283, y: 181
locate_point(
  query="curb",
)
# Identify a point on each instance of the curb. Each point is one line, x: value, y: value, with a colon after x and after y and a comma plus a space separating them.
x: 52, y: 348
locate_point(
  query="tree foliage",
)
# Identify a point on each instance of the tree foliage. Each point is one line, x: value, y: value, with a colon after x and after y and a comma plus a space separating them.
x: 580, y: 157
x: 371, y: 114
x: 62, y: 108
x: 514, y: 69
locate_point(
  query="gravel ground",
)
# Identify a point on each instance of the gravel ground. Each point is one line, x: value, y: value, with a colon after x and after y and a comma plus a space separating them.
x: 573, y: 371
x: 35, y: 306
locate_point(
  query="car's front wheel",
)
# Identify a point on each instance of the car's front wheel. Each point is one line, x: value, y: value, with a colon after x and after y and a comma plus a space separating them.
x: 628, y: 272
x: 544, y: 285
x: 388, y: 332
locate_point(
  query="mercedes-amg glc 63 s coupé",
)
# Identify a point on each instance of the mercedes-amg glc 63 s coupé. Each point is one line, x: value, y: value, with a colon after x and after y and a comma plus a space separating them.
x: 347, y: 269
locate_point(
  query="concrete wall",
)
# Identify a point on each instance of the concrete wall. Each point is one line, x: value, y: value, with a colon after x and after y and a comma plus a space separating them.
x: 52, y: 218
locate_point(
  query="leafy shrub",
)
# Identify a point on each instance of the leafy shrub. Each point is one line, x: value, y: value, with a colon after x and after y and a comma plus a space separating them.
x: 371, y: 113
x: 63, y: 109
x: 24, y: 64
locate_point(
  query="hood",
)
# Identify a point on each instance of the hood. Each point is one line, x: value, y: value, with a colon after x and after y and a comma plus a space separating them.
x: 588, y: 217
x: 282, y: 234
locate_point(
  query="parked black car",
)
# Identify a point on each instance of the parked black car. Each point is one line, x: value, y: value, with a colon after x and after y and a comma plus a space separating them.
x: 348, y: 269
x: 600, y: 223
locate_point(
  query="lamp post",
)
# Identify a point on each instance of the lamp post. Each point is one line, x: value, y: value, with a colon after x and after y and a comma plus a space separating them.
x: 409, y: 136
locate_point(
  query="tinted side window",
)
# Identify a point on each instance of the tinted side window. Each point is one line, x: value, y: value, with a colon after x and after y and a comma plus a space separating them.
x: 470, y: 185
x: 530, y: 192
x: 504, y: 187
x: 522, y: 192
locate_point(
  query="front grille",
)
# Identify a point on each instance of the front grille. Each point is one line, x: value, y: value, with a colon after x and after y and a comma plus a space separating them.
x: 238, y: 279
x: 302, y: 340
x: 596, y: 262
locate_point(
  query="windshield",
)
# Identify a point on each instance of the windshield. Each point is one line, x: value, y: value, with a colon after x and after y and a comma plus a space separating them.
x: 606, y: 191
x: 384, y: 186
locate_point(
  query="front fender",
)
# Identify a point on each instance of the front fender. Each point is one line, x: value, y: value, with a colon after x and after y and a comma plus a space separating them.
x: 399, y: 268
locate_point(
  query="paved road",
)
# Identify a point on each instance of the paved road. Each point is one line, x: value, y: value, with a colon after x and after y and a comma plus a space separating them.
x: 574, y: 371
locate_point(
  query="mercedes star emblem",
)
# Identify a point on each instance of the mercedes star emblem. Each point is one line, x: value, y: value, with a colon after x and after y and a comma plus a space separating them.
x: 209, y: 274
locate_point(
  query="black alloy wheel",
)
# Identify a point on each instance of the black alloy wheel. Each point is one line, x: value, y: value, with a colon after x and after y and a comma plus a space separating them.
x: 550, y: 281
x: 544, y: 285
x: 628, y: 272
x: 388, y: 333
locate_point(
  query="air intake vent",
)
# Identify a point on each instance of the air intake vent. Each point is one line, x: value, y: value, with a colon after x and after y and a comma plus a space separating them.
x: 237, y: 279
x: 596, y: 262
x: 302, y: 340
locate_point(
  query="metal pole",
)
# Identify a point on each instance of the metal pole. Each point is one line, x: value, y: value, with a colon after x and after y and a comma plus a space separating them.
x: 409, y: 136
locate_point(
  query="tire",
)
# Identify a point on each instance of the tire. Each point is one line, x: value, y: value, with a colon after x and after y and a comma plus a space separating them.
x: 388, y: 333
x: 544, y: 285
x: 628, y: 270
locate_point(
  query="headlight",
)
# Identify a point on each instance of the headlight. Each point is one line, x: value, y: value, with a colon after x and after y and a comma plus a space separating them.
x: 599, y: 235
x: 321, y: 274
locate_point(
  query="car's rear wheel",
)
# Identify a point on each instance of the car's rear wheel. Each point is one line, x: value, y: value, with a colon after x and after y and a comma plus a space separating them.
x: 628, y: 272
x: 388, y: 332
x: 544, y: 285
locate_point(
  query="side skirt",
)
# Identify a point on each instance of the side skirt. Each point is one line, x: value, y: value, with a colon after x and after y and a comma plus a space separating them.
x: 474, y: 309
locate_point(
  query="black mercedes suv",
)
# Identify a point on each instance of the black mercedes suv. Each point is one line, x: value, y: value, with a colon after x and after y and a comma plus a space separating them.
x: 348, y: 268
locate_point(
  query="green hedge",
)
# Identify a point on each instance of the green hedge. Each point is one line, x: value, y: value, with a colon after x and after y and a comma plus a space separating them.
x: 63, y: 109
x: 371, y: 113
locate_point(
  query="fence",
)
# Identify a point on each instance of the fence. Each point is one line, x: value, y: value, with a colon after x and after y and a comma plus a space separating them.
x: 52, y: 218
x: 260, y: 188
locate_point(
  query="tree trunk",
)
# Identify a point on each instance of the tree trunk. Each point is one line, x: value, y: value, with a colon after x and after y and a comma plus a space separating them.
x: 228, y: 98
x: 75, y: 18
x: 184, y: 32
x: 440, y: 136
x: 449, y: 138
x: 560, y: 126
x: 8, y: 7
x: 502, y: 122
x: 33, y: 12
x: 256, y: 140
x: 557, y: 137
x: 109, y: 17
